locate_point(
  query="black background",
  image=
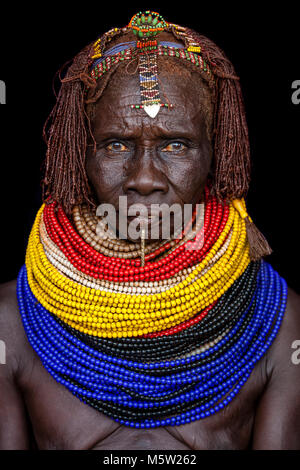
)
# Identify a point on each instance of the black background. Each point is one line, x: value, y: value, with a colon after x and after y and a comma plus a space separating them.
x: 264, y: 48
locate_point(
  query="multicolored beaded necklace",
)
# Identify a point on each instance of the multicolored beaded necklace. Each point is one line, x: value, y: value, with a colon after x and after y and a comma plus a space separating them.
x: 150, y: 334
x: 162, y: 344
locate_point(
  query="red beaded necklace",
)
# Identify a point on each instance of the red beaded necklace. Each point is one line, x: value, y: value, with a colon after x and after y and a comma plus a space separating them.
x: 89, y: 261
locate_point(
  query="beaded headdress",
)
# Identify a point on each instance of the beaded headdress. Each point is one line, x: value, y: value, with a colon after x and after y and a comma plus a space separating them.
x: 146, y: 49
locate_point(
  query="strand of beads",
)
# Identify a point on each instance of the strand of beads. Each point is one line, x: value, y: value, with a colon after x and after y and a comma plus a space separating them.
x: 214, y: 321
x: 114, y: 56
x: 209, y: 239
x: 58, y: 259
x: 61, y: 258
x: 80, y: 306
x: 89, y: 261
x: 207, y: 325
x: 116, y: 269
x: 107, y: 383
x: 90, y: 229
x: 185, y: 387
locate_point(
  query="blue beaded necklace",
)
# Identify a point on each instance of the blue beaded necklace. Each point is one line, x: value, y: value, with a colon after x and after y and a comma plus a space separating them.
x: 124, y: 390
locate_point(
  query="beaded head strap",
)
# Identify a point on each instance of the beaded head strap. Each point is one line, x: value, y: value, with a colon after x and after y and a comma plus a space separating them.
x: 146, y: 49
x: 146, y: 26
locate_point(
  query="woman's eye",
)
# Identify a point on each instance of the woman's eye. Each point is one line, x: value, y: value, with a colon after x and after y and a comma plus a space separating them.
x: 174, y: 147
x: 116, y: 147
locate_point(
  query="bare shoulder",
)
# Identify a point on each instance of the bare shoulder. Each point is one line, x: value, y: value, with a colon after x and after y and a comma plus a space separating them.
x: 278, y: 411
x: 292, y: 313
x: 11, y: 328
x: 280, y: 353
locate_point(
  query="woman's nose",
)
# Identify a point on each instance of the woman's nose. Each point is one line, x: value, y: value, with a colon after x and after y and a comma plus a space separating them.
x: 143, y: 176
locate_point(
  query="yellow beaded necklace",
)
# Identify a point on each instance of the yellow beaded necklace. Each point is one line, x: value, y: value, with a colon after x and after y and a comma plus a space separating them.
x: 109, y: 314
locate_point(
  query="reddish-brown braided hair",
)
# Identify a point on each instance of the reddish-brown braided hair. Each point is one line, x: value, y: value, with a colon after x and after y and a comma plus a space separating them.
x: 230, y: 140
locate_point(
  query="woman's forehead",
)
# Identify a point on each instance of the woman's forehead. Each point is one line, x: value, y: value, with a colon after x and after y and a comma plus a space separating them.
x: 133, y: 124
x: 187, y: 97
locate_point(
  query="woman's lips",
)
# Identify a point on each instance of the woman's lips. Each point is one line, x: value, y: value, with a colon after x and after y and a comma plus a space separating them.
x: 143, y: 217
x: 147, y: 222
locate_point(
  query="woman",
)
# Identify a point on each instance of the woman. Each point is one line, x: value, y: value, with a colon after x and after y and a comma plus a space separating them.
x: 182, y: 343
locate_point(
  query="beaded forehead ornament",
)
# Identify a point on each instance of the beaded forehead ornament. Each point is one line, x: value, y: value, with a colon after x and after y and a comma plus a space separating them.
x: 146, y: 49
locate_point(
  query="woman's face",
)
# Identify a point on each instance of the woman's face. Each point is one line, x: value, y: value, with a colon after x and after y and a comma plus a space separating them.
x: 165, y: 160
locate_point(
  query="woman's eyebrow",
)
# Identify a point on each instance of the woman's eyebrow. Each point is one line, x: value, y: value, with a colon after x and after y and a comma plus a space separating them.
x: 173, y: 128
x: 104, y: 136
